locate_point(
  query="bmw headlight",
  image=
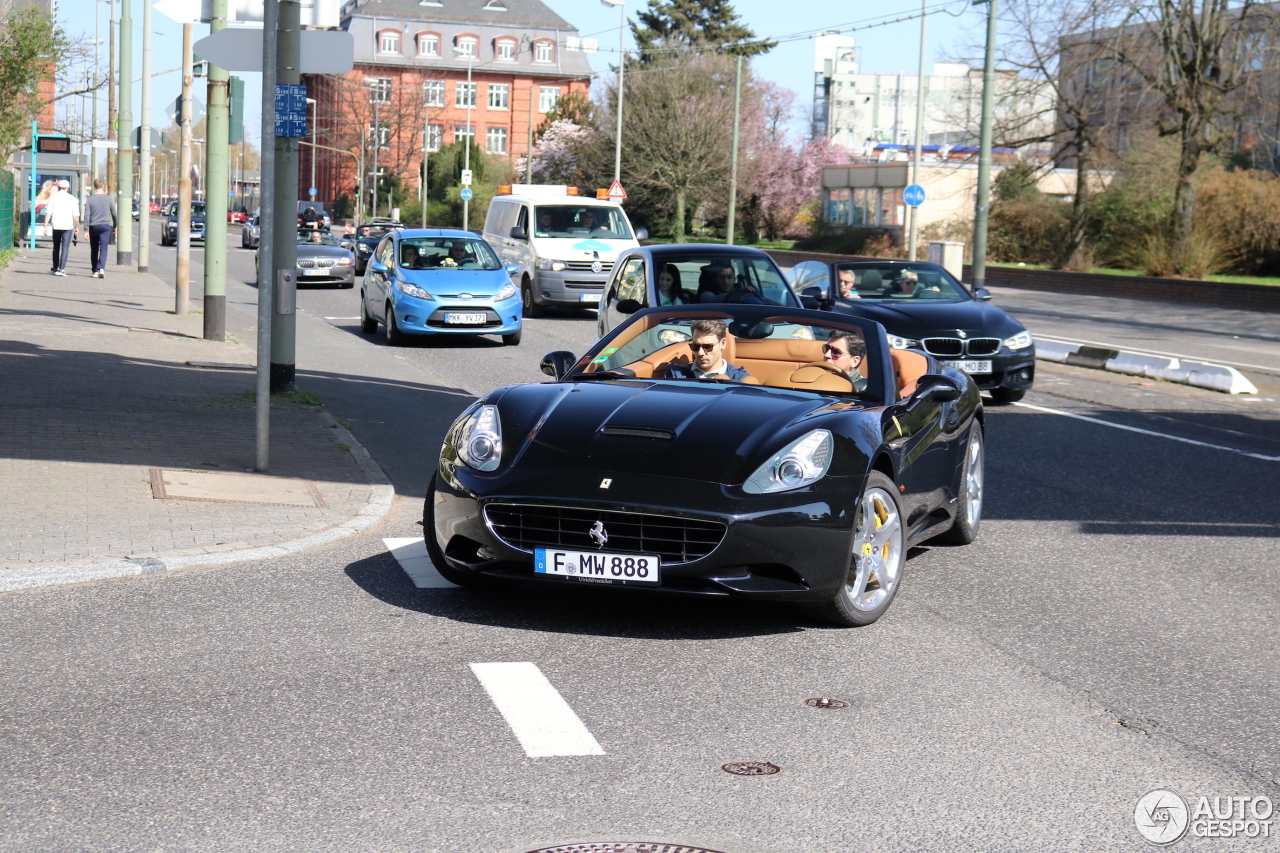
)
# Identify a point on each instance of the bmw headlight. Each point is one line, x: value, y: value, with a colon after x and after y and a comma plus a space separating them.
x: 480, y: 439
x: 505, y: 292
x: 800, y: 463
x: 1022, y: 340
x: 548, y: 264
x: 412, y: 290
x: 672, y: 336
x: 345, y: 262
x: 896, y: 342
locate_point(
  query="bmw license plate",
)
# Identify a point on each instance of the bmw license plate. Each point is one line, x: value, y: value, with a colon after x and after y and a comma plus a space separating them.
x: 970, y: 366
x: 316, y: 272
x: 597, y: 566
x: 589, y: 297
x: 464, y: 319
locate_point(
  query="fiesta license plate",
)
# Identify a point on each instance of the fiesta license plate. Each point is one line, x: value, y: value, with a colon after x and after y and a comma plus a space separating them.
x: 589, y: 297
x: 969, y: 366
x: 464, y: 319
x: 316, y: 272
x: 598, y: 567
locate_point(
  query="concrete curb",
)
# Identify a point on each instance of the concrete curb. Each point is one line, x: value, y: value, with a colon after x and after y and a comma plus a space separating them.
x: 1198, y: 373
x: 380, y: 501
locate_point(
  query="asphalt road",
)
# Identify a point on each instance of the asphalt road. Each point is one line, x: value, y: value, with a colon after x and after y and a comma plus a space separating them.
x: 1113, y: 630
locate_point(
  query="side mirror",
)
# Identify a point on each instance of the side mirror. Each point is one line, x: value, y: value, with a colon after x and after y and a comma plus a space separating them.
x: 512, y: 269
x: 518, y: 233
x: 627, y: 306
x: 557, y: 364
x: 813, y: 298
x: 937, y: 388
x: 982, y: 294
x: 642, y: 234
x: 378, y: 266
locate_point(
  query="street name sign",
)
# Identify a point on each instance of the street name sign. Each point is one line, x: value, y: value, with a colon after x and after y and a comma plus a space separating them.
x: 322, y: 51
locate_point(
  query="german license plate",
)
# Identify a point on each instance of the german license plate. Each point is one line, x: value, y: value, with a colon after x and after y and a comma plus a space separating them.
x: 464, y: 319
x: 588, y: 297
x: 969, y: 366
x: 598, y: 567
x: 316, y: 272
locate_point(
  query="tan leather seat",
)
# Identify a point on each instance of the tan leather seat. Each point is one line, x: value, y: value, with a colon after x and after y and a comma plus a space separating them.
x: 810, y: 378
x: 908, y: 367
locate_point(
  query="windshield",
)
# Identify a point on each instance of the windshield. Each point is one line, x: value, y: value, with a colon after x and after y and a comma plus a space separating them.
x: 747, y: 280
x: 462, y: 253
x: 778, y: 352
x: 897, y: 282
x: 577, y: 220
x: 316, y: 238
x: 197, y: 208
x: 370, y: 231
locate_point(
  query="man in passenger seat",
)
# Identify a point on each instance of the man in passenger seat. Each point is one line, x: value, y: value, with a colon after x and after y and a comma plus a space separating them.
x: 708, y: 342
x: 845, y: 350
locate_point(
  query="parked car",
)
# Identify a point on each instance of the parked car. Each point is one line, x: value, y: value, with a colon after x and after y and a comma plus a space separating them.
x: 793, y: 484
x: 366, y: 239
x: 922, y: 306
x: 155, y: 207
x: 169, y: 228
x: 251, y: 233
x: 439, y: 281
x: 683, y: 273
x: 237, y: 216
x: 321, y: 260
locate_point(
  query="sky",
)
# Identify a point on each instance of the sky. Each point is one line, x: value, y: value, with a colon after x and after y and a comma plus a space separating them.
x: 885, y: 49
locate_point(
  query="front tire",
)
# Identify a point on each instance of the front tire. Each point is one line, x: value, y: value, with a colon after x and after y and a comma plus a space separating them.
x: 969, y: 513
x: 513, y: 339
x: 876, y: 558
x: 395, y: 337
x: 530, y: 307
x: 448, y: 572
x: 1005, y: 396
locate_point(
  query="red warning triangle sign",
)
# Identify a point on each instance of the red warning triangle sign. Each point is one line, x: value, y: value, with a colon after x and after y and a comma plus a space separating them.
x: 616, y: 191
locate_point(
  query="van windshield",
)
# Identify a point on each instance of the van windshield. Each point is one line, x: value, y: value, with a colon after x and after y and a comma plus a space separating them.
x: 580, y: 220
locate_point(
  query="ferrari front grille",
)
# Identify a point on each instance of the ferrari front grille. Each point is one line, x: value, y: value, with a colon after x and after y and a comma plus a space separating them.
x: 675, y: 540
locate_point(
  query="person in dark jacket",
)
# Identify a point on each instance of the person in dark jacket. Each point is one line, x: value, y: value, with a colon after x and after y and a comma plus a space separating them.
x: 100, y: 219
x: 708, y: 339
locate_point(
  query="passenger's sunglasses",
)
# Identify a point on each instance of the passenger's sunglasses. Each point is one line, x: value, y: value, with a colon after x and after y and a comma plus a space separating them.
x: 828, y: 349
x: 701, y: 347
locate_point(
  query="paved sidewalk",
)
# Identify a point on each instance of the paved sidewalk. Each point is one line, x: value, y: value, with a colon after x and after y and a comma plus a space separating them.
x: 116, y: 452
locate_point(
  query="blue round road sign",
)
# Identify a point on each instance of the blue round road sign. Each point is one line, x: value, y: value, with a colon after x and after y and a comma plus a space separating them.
x: 913, y: 195
x: 466, y: 193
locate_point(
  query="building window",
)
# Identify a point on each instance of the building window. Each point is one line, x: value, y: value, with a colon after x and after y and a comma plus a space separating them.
x: 505, y: 50
x: 428, y: 44
x: 389, y: 41
x: 433, y: 93
x: 499, y: 96
x: 380, y: 91
x: 495, y: 140
x: 462, y: 132
x: 542, y: 52
x: 465, y: 94
x: 467, y: 46
x: 435, y: 137
x: 548, y: 97
x: 380, y: 133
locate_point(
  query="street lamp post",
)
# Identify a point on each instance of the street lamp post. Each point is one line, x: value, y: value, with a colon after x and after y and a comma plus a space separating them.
x: 376, y: 90
x: 622, y: 70
x: 978, y: 274
x: 470, y: 54
x: 914, y: 212
x: 315, y: 116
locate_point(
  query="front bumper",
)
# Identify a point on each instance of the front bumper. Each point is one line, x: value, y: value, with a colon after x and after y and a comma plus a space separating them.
x: 569, y: 288
x: 1013, y: 370
x: 332, y: 275
x: 792, y: 546
x: 427, y: 317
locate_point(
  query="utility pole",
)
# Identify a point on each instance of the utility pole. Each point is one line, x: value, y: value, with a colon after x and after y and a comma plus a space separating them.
x: 97, y: 66
x: 182, y: 275
x: 377, y: 144
x: 124, y: 168
x: 111, y: 104
x: 733, y: 168
x: 622, y: 72
x: 266, y: 233
x: 913, y: 239
x: 144, y: 146
x: 315, y: 119
x: 983, y: 207
x: 215, y: 196
x: 426, y: 129
x: 284, y: 256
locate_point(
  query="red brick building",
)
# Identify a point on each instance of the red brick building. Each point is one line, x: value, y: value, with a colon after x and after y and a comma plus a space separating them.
x: 409, y: 85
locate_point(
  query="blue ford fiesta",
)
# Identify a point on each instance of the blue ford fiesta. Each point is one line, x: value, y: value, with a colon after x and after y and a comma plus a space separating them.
x: 439, y: 281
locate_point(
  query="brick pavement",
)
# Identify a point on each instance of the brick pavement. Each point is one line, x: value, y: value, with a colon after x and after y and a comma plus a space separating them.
x: 95, y: 391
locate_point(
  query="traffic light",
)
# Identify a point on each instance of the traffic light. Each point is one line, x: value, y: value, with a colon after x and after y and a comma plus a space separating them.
x: 235, y: 130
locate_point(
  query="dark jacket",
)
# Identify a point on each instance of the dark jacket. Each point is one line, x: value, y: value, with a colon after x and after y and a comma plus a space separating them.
x: 685, y: 371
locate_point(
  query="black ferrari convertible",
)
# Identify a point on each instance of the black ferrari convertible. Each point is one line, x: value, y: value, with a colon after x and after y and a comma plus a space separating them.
x: 799, y: 467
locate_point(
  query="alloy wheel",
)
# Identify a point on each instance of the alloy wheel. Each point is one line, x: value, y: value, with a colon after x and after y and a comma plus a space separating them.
x: 876, y: 563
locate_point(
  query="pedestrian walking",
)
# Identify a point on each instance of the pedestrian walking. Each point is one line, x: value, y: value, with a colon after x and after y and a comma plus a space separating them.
x: 100, y: 220
x: 62, y: 214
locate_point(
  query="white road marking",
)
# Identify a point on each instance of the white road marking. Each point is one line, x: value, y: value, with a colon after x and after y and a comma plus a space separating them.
x: 1141, y: 431
x: 542, y: 721
x: 416, y: 562
x: 342, y: 318
x: 1118, y: 348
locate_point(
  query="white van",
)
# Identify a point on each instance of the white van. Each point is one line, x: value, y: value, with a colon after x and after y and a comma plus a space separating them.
x: 564, y: 244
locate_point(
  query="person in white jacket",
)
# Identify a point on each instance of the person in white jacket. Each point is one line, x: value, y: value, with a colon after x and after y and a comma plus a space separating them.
x: 62, y: 213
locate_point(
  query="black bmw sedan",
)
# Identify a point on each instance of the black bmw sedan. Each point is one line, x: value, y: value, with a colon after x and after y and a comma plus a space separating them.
x: 923, y: 307
x: 712, y: 450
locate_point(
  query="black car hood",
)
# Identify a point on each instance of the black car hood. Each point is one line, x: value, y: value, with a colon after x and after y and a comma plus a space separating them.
x: 709, y: 432
x: 923, y: 319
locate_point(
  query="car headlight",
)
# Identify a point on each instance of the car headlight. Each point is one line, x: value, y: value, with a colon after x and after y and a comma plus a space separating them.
x: 480, y: 439
x: 505, y: 292
x: 802, y: 462
x: 802, y: 333
x: 672, y: 336
x: 345, y: 262
x: 548, y: 264
x: 364, y: 250
x: 896, y: 342
x: 412, y: 290
x: 1022, y: 340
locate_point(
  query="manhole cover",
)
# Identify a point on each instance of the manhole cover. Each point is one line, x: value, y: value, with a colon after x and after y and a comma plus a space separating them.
x: 623, y: 847
x: 168, y: 484
x: 825, y: 702
x: 750, y: 768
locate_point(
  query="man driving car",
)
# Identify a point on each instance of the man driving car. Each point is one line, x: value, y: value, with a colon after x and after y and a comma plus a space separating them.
x: 844, y: 350
x: 708, y: 340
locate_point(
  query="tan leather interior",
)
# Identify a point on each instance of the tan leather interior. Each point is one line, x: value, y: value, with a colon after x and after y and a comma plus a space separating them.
x: 810, y: 378
x: 908, y: 367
